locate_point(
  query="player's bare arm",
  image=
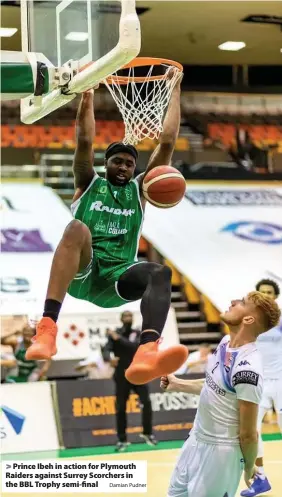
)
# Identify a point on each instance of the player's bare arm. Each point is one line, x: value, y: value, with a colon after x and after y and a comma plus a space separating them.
x: 171, y: 383
x: 162, y: 155
x: 10, y: 340
x: 84, y: 156
x: 248, y: 412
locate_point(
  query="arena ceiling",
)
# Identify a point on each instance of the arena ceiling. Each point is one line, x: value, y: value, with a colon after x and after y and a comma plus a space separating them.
x: 190, y: 31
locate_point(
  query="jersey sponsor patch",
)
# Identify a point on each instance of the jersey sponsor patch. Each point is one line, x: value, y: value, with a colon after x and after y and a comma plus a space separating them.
x: 244, y: 363
x: 249, y: 377
x: 214, y: 386
x: 100, y: 207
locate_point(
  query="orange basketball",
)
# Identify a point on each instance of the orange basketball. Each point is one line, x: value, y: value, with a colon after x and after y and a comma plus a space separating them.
x: 164, y: 186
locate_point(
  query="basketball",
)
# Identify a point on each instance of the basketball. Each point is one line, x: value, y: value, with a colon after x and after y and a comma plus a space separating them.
x: 164, y: 187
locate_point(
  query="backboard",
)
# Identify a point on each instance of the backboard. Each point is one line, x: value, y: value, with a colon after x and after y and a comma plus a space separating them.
x: 70, y: 29
x: 83, y: 31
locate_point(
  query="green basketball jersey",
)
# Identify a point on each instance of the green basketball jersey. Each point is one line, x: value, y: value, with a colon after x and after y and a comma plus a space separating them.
x: 25, y: 367
x: 114, y: 216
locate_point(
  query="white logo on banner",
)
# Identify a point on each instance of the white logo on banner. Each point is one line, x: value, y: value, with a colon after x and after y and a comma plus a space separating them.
x: 256, y: 231
x: 233, y: 197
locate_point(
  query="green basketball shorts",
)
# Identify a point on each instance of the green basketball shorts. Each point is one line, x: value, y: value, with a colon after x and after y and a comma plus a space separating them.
x: 97, y: 283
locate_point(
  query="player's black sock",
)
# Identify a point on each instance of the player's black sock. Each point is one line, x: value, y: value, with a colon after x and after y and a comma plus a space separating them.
x: 149, y: 336
x: 52, y: 309
x: 155, y: 304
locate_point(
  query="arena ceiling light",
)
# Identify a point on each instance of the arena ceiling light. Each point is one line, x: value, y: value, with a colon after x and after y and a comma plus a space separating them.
x: 232, y: 46
x: 77, y: 36
x: 7, y: 32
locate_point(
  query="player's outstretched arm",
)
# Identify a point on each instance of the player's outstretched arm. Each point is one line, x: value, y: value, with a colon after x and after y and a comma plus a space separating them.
x: 85, y: 132
x: 171, y: 383
x: 163, y: 153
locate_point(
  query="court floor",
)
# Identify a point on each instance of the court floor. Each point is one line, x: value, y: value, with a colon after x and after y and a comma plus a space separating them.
x: 160, y: 467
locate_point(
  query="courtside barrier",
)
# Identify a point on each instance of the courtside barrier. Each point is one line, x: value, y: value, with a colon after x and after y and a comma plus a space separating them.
x: 27, y: 422
x: 81, y: 413
x: 87, y: 413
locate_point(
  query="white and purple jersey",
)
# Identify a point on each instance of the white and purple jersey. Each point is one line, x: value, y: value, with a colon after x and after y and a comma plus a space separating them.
x: 231, y: 375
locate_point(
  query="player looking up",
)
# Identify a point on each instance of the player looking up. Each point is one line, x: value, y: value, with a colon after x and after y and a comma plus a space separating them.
x: 223, y: 441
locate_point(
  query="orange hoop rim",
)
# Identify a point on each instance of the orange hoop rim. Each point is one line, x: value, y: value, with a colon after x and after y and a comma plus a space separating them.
x: 139, y: 62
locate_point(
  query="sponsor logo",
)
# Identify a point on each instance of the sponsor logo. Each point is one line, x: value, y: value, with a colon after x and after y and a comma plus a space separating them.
x: 172, y: 401
x: 102, y: 190
x: 14, y: 285
x: 112, y: 228
x: 248, y: 377
x: 106, y: 405
x: 214, y: 386
x: 128, y: 194
x: 15, y: 419
x: 14, y: 240
x: 256, y: 231
x: 101, y: 227
x: 115, y: 231
x: 100, y: 207
x: 244, y: 363
x: 233, y: 197
x: 74, y: 335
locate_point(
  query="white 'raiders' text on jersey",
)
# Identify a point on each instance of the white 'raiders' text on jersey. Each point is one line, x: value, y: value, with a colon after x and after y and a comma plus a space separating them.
x: 231, y: 375
x: 270, y: 347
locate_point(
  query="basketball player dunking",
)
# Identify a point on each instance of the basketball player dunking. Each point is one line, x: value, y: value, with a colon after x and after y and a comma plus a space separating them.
x: 223, y: 441
x: 96, y: 257
x: 270, y: 346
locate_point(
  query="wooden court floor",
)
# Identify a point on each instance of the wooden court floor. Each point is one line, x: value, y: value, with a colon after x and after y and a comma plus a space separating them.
x: 160, y: 467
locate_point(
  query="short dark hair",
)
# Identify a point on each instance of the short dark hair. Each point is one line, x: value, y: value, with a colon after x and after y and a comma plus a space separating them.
x: 268, y: 282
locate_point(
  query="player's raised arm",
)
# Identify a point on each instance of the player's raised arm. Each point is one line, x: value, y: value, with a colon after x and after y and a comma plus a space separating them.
x: 163, y: 153
x: 83, y: 169
x: 171, y: 383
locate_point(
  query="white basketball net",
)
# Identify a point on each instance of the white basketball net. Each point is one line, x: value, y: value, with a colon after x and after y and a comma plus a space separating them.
x: 142, y: 105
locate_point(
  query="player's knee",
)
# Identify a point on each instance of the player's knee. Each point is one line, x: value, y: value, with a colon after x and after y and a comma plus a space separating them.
x: 76, y: 233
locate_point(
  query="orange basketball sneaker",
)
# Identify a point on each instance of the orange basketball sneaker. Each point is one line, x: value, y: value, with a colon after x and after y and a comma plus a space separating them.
x: 44, y: 342
x: 150, y: 363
